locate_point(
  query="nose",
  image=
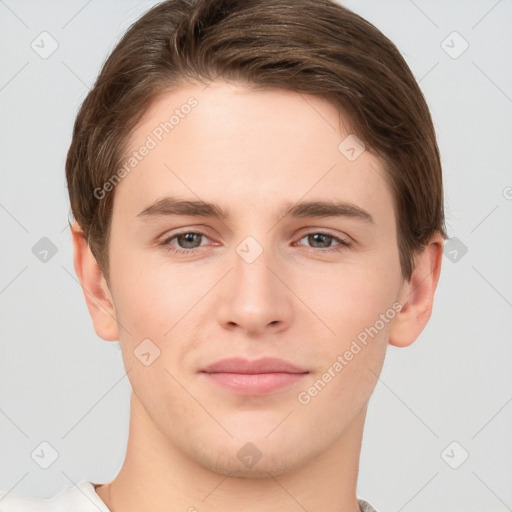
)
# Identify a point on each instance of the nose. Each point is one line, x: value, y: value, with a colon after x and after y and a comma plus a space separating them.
x: 254, y: 296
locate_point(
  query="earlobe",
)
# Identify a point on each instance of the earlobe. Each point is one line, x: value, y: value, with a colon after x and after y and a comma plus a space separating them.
x: 96, y: 291
x: 417, y: 295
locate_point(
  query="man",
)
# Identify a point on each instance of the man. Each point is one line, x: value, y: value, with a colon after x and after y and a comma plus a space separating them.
x: 259, y: 212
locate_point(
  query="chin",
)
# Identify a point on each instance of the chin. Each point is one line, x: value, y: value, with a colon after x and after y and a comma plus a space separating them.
x: 261, y: 459
x: 262, y: 469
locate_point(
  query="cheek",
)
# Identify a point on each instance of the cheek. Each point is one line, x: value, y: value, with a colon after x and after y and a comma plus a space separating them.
x: 354, y: 299
x: 358, y: 307
x: 152, y: 298
x: 162, y: 309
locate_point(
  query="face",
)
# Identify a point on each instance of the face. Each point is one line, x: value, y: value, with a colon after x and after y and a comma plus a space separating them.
x: 205, y: 294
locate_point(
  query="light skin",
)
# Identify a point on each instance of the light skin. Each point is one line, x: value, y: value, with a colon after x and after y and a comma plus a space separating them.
x: 252, y: 153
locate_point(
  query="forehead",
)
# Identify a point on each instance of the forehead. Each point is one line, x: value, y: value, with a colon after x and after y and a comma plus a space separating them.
x: 246, y: 149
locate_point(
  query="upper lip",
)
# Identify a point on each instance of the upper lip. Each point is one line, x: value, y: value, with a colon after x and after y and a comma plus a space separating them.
x: 255, y: 366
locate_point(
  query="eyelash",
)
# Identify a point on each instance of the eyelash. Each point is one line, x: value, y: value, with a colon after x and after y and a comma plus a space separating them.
x: 343, y: 244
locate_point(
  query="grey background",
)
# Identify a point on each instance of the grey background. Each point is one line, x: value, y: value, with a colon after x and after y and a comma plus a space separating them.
x: 62, y: 384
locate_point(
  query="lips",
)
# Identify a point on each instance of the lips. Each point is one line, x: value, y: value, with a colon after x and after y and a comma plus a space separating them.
x: 256, y: 366
x: 253, y: 377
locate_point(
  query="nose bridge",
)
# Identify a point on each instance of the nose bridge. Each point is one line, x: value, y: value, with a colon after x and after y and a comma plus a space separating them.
x: 254, y: 296
x: 251, y: 265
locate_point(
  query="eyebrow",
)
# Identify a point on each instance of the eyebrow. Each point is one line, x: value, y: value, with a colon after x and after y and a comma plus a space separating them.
x: 175, y: 206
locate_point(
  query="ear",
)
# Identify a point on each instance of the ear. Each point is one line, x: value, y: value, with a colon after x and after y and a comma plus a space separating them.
x: 96, y: 291
x: 417, y: 295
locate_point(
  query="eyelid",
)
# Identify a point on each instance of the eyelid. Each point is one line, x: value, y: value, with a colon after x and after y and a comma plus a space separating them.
x: 326, y: 231
x: 187, y: 229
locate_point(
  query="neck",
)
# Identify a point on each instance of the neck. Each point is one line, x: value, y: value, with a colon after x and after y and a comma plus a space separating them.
x: 159, y: 477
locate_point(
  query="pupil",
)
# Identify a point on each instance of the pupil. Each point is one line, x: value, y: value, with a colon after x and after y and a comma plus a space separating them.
x: 189, y: 238
x: 320, y: 236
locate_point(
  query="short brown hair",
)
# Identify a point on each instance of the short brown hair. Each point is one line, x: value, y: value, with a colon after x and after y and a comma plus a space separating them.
x: 315, y: 47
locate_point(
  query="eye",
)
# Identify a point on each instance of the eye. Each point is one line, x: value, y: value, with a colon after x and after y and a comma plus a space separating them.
x: 187, y: 239
x: 188, y: 242
x: 325, y: 241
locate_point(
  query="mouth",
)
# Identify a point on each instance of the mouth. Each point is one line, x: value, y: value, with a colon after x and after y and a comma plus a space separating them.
x: 256, y: 377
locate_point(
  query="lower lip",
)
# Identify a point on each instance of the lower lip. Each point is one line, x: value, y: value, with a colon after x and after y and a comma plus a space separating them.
x: 255, y: 383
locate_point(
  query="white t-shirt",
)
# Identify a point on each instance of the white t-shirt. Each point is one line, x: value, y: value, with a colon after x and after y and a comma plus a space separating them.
x: 81, y: 498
